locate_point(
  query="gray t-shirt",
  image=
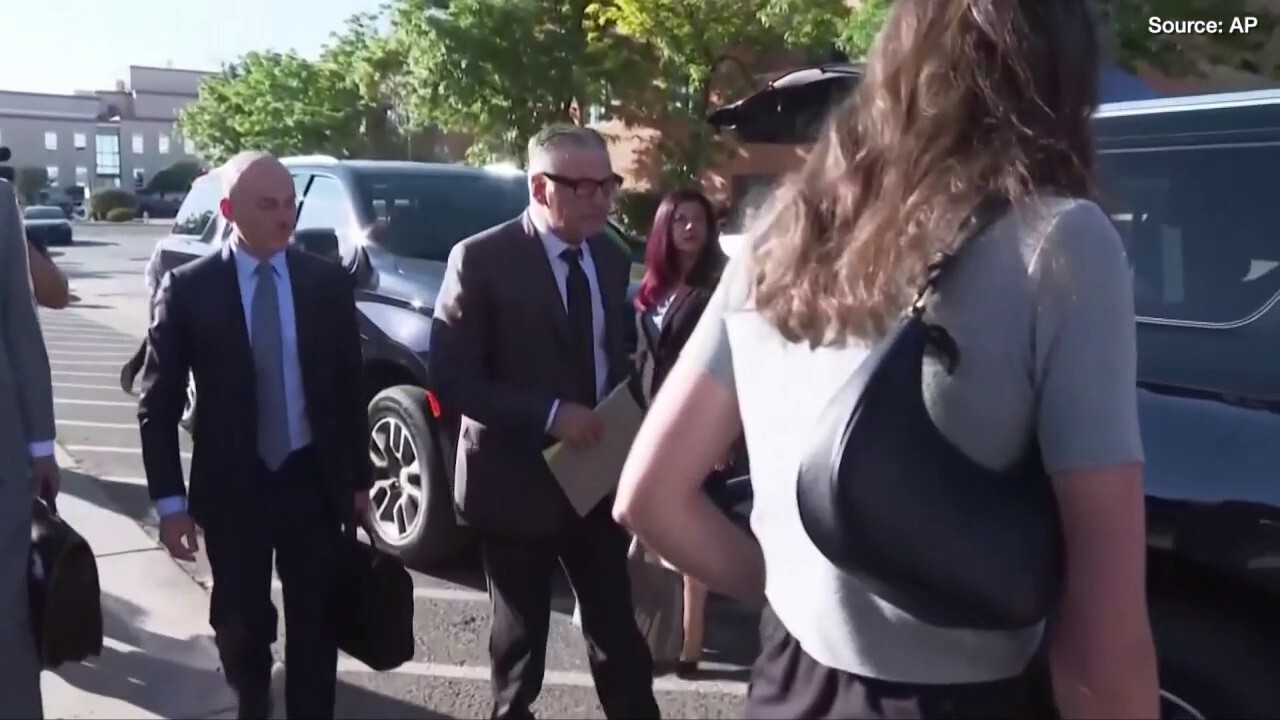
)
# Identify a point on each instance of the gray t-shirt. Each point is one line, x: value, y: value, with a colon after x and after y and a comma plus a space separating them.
x: 1041, y: 307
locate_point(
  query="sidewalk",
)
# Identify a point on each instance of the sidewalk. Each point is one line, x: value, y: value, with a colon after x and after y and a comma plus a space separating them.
x: 158, y: 658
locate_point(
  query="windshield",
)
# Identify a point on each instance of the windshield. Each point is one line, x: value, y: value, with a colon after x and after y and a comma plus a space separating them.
x: 423, y: 215
x: 44, y: 213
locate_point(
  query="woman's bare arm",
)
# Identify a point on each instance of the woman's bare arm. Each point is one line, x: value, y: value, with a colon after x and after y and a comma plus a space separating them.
x: 690, y: 427
x: 1101, y: 653
x: 49, y: 282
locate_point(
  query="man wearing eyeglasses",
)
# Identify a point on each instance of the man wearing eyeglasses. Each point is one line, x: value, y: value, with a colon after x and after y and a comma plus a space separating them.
x: 528, y: 337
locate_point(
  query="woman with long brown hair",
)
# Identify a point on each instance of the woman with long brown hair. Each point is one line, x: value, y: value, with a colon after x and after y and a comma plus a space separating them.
x: 964, y: 101
x: 682, y: 265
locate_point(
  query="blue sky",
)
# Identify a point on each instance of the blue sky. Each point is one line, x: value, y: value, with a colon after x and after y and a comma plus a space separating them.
x: 59, y: 46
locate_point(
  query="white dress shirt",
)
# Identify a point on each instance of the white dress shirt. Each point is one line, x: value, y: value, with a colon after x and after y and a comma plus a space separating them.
x: 295, y: 399
x: 560, y: 267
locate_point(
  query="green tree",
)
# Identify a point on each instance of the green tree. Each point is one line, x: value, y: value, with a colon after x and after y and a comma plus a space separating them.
x: 175, y: 179
x: 498, y: 71
x: 372, y: 63
x: 1128, y: 37
x: 698, y: 52
x: 277, y: 102
x: 30, y: 182
x: 1125, y: 32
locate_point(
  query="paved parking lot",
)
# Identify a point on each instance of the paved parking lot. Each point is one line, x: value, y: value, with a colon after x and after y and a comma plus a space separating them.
x: 97, y: 424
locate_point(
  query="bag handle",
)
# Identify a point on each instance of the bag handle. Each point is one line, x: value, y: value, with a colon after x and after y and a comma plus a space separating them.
x: 984, y: 215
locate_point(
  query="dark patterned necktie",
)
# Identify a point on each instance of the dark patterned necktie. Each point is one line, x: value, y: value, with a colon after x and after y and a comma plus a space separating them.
x: 268, y: 365
x: 578, y: 300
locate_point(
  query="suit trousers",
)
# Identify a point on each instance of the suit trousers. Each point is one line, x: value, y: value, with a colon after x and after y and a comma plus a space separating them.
x: 292, y: 517
x: 593, y: 552
x: 19, y: 660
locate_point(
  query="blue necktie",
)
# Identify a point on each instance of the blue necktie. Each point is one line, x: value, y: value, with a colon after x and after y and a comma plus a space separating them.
x: 268, y: 366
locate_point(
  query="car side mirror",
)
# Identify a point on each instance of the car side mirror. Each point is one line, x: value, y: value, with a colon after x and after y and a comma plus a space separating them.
x: 319, y: 241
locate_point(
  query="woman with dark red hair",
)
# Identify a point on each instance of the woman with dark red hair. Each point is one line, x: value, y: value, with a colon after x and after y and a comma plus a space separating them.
x: 683, y: 262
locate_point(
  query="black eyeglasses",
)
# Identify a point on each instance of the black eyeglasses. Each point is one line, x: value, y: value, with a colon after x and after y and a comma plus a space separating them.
x: 586, y: 187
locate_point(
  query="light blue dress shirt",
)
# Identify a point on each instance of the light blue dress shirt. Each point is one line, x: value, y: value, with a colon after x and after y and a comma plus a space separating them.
x: 295, y: 399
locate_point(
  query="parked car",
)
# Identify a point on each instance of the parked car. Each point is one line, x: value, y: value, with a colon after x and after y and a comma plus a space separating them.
x: 1187, y: 182
x: 47, y: 225
x: 392, y: 225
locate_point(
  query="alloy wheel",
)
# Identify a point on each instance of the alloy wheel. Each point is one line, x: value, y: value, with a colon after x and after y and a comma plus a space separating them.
x: 188, y: 410
x: 1173, y: 707
x: 397, y: 499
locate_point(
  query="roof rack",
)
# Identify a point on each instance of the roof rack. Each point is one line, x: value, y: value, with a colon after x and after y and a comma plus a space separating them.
x: 312, y: 159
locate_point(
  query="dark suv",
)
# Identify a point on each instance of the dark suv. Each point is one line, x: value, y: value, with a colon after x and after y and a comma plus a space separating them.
x: 1187, y: 182
x: 391, y: 225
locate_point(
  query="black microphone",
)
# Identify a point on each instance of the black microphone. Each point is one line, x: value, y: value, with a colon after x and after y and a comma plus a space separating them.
x: 5, y: 154
x: 6, y: 173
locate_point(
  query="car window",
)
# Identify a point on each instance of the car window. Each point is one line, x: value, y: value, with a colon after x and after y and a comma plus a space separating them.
x: 199, y: 207
x: 325, y: 207
x: 44, y: 213
x: 1202, y: 238
x: 423, y: 215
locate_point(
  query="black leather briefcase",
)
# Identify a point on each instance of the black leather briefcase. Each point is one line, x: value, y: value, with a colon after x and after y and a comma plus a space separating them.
x: 375, y: 622
x: 66, y: 600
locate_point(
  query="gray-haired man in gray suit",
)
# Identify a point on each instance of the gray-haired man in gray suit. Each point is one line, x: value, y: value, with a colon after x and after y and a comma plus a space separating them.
x: 27, y: 465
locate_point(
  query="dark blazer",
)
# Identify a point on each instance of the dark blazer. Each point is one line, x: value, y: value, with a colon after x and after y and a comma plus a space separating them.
x: 501, y: 354
x: 198, y: 325
x: 658, y: 346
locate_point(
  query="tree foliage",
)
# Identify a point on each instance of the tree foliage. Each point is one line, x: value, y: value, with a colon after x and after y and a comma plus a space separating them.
x: 1124, y: 23
x: 346, y: 102
x: 1128, y: 34
x: 498, y: 71
x: 280, y: 103
x: 30, y: 181
x: 699, y: 50
x: 174, y: 179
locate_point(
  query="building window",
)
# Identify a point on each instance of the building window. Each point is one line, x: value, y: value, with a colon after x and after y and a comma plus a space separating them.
x: 52, y: 172
x: 139, y: 144
x: 51, y: 141
x: 82, y: 176
x: 1, y: 137
x: 188, y: 146
x: 107, y: 155
x: 139, y: 178
x: 164, y: 144
x: 80, y: 140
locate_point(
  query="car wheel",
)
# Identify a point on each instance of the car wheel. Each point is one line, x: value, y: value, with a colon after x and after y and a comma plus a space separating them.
x: 188, y: 421
x: 1213, y: 664
x: 411, y: 502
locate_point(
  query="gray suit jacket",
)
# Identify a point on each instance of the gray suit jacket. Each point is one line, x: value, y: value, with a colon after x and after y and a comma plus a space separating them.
x: 26, y: 392
x: 500, y: 355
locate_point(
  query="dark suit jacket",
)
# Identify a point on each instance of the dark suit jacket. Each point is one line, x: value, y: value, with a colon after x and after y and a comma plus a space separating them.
x: 198, y: 325
x: 658, y: 346
x: 501, y: 354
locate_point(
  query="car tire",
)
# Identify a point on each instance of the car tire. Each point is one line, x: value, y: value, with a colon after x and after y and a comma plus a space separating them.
x: 411, y: 503
x: 1213, y: 663
x: 188, y: 421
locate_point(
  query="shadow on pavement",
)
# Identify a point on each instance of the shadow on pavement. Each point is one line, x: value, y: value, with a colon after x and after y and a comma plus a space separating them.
x: 93, y: 243
x: 358, y: 702
x: 151, y: 675
x: 75, y: 483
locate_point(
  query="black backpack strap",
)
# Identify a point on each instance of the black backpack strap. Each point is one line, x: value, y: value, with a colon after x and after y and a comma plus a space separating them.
x: 987, y: 212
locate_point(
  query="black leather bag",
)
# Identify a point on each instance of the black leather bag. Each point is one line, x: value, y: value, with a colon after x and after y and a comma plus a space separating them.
x: 375, y: 605
x: 889, y: 500
x: 65, y: 598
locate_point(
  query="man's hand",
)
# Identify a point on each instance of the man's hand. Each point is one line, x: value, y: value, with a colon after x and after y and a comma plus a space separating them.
x: 47, y: 476
x: 178, y: 535
x: 577, y: 425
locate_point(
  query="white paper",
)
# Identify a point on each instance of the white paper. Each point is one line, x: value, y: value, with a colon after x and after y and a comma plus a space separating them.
x: 588, y: 475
